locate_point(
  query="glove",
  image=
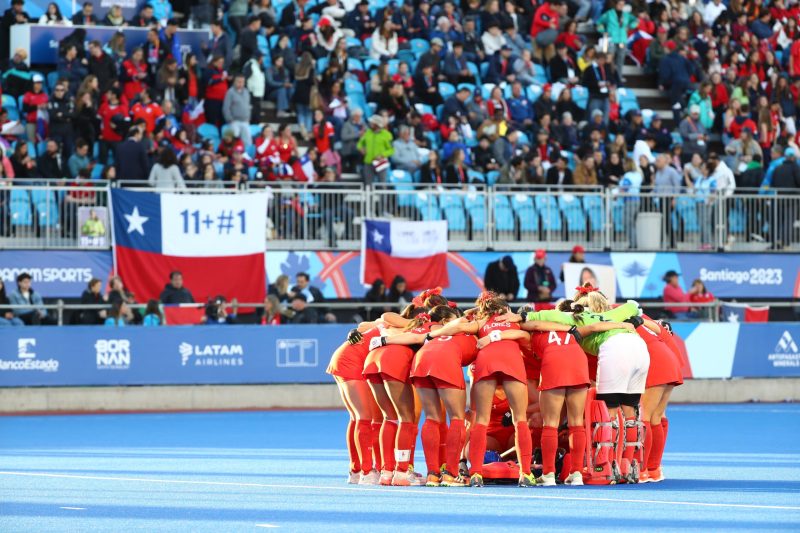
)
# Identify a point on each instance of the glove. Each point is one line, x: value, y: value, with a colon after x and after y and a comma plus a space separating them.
x: 574, y: 332
x: 377, y: 342
x: 666, y: 325
x: 636, y: 321
x: 354, y: 336
x: 507, y: 420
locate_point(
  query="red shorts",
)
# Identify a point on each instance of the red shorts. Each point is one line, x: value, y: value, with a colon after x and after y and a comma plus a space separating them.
x: 533, y: 368
x: 430, y: 382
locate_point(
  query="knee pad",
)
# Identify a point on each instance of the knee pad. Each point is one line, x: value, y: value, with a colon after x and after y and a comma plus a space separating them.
x: 601, y: 436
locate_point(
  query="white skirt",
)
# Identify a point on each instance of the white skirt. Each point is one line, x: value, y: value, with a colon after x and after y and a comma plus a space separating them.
x: 622, y: 364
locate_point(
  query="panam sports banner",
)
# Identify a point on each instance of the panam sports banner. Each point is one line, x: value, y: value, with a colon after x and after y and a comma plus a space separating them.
x: 216, y: 240
x: 55, y: 273
x: 415, y: 250
x: 638, y: 275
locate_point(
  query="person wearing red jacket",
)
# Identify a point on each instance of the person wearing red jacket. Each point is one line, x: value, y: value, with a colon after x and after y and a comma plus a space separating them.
x: 148, y: 110
x: 544, y: 29
x: 110, y: 133
x: 32, y: 102
x: 216, y: 82
x: 134, y: 74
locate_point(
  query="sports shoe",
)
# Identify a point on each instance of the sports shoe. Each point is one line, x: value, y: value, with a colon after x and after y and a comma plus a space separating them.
x: 463, y: 469
x: 354, y: 478
x: 386, y: 477
x: 419, y: 476
x: 448, y: 480
x: 433, y: 480
x: 370, y: 479
x: 547, y: 480
x: 405, y: 479
x: 528, y: 480
x: 574, y: 479
x: 476, y: 480
x: 656, y: 475
x: 644, y: 477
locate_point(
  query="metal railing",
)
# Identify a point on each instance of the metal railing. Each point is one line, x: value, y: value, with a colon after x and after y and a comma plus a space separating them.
x: 705, y: 312
x: 314, y: 216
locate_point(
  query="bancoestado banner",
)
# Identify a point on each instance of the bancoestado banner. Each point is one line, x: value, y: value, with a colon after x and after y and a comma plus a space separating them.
x: 187, y: 355
x: 638, y: 275
x: 179, y: 355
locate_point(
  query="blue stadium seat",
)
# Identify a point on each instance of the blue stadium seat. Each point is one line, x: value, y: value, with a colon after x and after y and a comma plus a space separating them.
x: 475, y: 175
x: 97, y: 171
x: 526, y: 213
x: 503, y: 215
x: 263, y: 46
x: 470, y: 86
x: 419, y: 46
x: 492, y: 176
x: 13, y: 112
x: 352, y: 85
x: 20, y: 203
x: 9, y: 101
x: 427, y: 206
x: 251, y: 172
x: 736, y: 219
x: 402, y: 181
x: 208, y: 131
x: 477, y: 217
x: 486, y: 90
x: 534, y: 92
x: 354, y: 64
x: 618, y: 215
x: 686, y: 210
x: 52, y: 78
x: 573, y: 213
x: 474, y: 70
x: 255, y: 130
x: 446, y: 89
x: 593, y: 205
x: 549, y: 212
x: 322, y: 64
x: 46, y: 207
x: 456, y: 220
x: 451, y: 200
x: 354, y: 41
x: 394, y: 65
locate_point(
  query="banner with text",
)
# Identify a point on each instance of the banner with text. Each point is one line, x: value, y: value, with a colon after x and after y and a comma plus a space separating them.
x: 55, y: 273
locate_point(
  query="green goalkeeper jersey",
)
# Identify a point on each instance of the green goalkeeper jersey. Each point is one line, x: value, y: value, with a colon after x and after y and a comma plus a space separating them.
x: 591, y: 343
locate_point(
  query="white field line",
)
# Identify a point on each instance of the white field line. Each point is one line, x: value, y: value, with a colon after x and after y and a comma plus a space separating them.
x: 474, y: 493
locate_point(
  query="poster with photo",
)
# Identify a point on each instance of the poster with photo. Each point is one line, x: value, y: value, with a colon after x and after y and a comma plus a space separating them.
x: 602, y: 276
x: 93, y: 224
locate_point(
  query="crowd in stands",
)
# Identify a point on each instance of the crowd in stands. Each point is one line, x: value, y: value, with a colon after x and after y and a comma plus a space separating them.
x: 475, y: 91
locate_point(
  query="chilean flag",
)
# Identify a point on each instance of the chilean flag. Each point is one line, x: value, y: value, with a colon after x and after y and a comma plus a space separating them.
x: 216, y: 240
x: 415, y: 250
x: 735, y: 312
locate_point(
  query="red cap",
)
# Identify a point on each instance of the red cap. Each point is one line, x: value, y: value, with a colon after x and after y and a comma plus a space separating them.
x: 670, y: 45
x: 578, y: 249
x: 546, y: 87
x: 540, y: 254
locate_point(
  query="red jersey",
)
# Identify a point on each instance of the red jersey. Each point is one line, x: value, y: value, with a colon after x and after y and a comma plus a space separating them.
x: 266, y: 151
x: 324, y: 141
x: 106, y: 113
x: 30, y: 104
x: 551, y: 340
x: 393, y: 360
x: 217, y: 85
x: 465, y: 344
x: 499, y: 409
x: 150, y: 113
x: 133, y: 85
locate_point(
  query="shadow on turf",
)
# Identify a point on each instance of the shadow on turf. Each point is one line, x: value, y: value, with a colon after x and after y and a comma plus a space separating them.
x: 289, y: 517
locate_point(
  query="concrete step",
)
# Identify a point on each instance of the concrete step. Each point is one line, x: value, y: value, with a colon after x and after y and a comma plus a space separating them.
x: 647, y: 92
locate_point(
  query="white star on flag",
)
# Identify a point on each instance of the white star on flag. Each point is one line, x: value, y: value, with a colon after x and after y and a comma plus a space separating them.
x: 377, y: 236
x: 733, y: 317
x: 136, y: 221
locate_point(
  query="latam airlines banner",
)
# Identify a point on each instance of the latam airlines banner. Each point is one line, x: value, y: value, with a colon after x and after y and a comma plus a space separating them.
x: 97, y: 355
x: 179, y: 355
x: 638, y: 275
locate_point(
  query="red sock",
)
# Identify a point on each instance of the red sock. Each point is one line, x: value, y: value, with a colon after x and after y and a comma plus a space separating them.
x: 665, y: 425
x: 388, y: 437
x: 414, y: 444
x: 376, y: 443
x: 630, y: 436
x: 364, y: 444
x: 523, y: 442
x: 442, y: 443
x: 405, y: 440
x: 648, y: 443
x: 456, y: 436
x: 477, y: 448
x: 430, y: 444
x: 654, y: 460
x: 536, y: 437
x: 549, y: 447
x: 577, y: 448
x: 352, y: 450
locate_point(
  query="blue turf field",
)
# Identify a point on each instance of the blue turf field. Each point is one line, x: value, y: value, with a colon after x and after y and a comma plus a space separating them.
x: 729, y: 468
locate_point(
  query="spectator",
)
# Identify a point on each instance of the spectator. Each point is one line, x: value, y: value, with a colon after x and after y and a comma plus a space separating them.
x: 23, y: 164
x: 152, y: 314
x: 544, y: 30
x: 455, y: 105
x: 92, y: 296
x: 562, y: 67
x: 71, y: 69
x: 61, y: 110
x: 279, y: 83
x: 352, y: 130
x: 786, y: 178
x: 361, y: 22
x: 256, y: 79
x: 426, y: 87
x: 148, y: 110
x: 431, y: 171
x: 171, y: 41
x: 501, y: 277
x: 432, y: 58
x: 217, y: 312
x: 114, y: 115
x: 302, y: 313
x: 79, y: 159
x: 598, y: 80
x: 34, y: 103
x: 455, y: 66
x: 615, y: 24
x: 376, y: 294
x: 585, y: 172
x: 577, y: 256
x: 280, y: 289
x: 7, y: 317
x: 673, y: 293
x: 215, y: 80
x: 248, y: 39
x: 399, y: 293
x: 539, y: 279
x: 384, y: 41
x: 305, y: 85
x: 219, y: 46
x: 50, y: 165
x: 741, y: 151
x: 33, y: 312
x: 693, y: 132
x: 675, y: 72
x: 406, y: 152
x: 302, y: 286
x: 114, y: 17
x: 131, y: 158
x: 700, y: 294
x: 667, y: 180
x: 236, y: 109
x: 376, y: 146
x: 165, y: 174
x: 630, y: 185
x: 174, y: 292
x: 117, y: 315
x: 86, y: 16
x: 559, y: 173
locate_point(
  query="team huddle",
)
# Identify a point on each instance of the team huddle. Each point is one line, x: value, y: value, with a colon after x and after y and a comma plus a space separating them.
x: 574, y: 395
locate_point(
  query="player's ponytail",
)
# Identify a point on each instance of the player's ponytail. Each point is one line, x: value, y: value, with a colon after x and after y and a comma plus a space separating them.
x: 441, y: 313
x: 591, y: 298
x: 577, y: 310
x: 490, y: 304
